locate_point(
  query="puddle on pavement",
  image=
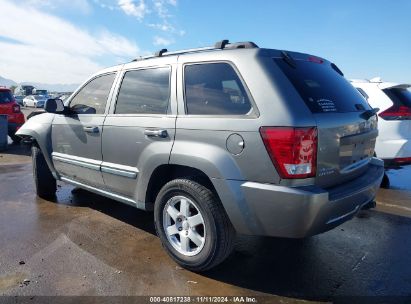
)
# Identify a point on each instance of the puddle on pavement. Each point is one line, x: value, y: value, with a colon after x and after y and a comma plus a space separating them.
x: 11, y: 280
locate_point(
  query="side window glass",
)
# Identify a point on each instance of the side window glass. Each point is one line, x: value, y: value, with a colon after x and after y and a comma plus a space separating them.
x: 92, y: 98
x: 214, y: 89
x: 144, y: 92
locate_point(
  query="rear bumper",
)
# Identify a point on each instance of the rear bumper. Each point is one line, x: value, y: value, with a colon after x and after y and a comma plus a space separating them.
x: 392, y: 149
x: 271, y: 210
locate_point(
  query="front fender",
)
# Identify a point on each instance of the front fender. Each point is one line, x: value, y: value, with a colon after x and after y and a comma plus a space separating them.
x: 39, y: 129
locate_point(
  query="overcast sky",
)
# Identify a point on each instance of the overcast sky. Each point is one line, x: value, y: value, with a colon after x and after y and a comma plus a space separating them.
x: 59, y: 41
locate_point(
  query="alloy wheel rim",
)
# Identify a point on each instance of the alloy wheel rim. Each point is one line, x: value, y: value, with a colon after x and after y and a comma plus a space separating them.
x: 184, y: 225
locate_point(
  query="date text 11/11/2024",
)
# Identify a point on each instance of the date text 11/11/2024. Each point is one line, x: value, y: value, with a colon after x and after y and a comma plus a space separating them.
x: 203, y: 299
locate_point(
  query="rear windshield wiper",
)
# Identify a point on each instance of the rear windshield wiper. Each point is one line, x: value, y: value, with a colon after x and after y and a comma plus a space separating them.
x: 369, y: 113
x: 288, y: 59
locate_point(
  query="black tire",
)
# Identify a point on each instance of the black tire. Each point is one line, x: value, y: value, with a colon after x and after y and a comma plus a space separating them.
x: 45, y: 183
x: 219, y: 232
x: 385, y: 183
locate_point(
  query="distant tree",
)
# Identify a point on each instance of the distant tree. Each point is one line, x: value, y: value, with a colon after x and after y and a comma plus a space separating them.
x: 12, y: 88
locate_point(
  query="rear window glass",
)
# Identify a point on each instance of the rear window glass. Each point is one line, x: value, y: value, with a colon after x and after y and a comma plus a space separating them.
x: 5, y: 96
x: 399, y: 96
x: 322, y: 88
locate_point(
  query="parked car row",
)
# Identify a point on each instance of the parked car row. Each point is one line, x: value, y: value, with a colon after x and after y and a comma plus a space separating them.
x: 15, y: 117
x: 36, y: 101
x: 218, y: 141
x: 10, y: 106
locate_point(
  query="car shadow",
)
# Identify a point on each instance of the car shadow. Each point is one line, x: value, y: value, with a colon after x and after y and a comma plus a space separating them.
x: 366, y: 256
x: 72, y: 196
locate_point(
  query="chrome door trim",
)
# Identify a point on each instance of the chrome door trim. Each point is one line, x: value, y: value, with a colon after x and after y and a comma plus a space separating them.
x: 77, y: 161
x: 121, y: 170
x: 106, y: 167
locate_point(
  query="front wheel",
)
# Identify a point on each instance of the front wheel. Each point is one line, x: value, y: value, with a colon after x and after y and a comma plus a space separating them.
x: 45, y: 182
x: 192, y: 225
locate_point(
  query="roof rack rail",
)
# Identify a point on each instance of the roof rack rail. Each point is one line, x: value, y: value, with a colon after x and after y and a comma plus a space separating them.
x: 160, y: 52
x: 220, y: 45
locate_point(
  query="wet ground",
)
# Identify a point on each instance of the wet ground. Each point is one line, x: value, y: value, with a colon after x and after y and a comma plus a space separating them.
x: 85, y: 244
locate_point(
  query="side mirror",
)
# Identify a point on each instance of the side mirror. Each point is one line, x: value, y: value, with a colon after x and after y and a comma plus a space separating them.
x: 54, y: 106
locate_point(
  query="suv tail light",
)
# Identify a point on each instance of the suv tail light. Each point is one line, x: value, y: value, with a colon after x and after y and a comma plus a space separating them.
x: 16, y: 108
x: 396, y: 112
x: 293, y: 151
x: 402, y: 160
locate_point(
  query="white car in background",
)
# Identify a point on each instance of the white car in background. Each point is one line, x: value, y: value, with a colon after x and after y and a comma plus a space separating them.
x: 394, y: 124
x: 36, y: 101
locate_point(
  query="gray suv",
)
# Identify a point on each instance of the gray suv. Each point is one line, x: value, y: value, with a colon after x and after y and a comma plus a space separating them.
x: 216, y: 141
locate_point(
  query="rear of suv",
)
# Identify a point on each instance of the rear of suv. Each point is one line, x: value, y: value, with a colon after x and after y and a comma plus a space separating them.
x: 9, y: 107
x: 394, y: 103
x: 217, y: 141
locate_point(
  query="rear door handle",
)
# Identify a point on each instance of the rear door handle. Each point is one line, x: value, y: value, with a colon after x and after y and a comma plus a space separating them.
x: 91, y: 129
x: 156, y: 133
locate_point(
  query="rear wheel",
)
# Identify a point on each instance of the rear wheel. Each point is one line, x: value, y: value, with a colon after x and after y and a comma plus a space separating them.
x: 192, y: 225
x: 385, y: 183
x: 45, y: 183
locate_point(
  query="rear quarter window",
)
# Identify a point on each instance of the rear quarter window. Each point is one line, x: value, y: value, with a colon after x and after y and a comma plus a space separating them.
x: 322, y: 88
x: 215, y: 89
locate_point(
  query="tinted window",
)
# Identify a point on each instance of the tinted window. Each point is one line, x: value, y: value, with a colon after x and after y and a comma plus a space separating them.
x: 5, y: 96
x: 144, y: 92
x: 41, y: 92
x: 322, y: 88
x: 214, y: 89
x: 92, y: 98
x: 399, y: 96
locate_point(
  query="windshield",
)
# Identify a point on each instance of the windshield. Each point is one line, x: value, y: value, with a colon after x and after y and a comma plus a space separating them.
x: 5, y: 96
x: 39, y: 97
x: 399, y: 96
x: 41, y: 92
x: 322, y: 88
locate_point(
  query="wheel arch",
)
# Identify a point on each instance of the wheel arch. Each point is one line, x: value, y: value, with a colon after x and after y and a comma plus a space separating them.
x: 167, y: 172
x: 38, y: 131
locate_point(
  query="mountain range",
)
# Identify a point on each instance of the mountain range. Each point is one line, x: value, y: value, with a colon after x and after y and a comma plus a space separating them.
x: 50, y: 87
